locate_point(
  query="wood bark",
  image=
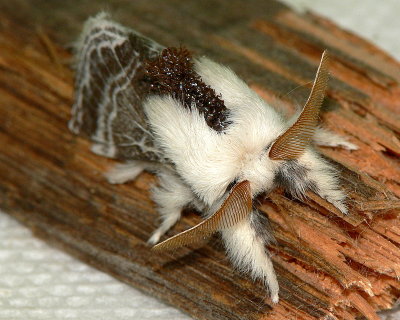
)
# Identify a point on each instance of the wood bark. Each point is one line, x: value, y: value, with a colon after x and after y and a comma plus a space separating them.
x: 329, y: 266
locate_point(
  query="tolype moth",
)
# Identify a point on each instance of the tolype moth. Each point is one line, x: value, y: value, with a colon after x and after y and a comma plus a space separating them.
x: 212, y: 141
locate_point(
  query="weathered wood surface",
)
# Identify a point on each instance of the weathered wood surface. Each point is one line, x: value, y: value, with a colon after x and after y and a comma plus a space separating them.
x: 329, y: 266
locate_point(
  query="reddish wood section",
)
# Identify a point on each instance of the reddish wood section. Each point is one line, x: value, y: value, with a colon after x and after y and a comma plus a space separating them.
x: 329, y: 266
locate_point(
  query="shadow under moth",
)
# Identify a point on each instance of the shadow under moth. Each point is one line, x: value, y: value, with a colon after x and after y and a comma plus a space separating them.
x: 212, y: 141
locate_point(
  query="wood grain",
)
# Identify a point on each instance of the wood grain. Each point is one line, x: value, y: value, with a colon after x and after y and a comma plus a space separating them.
x: 329, y: 266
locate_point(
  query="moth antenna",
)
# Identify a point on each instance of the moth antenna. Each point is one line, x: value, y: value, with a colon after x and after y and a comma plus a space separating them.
x: 235, y: 208
x: 293, y: 142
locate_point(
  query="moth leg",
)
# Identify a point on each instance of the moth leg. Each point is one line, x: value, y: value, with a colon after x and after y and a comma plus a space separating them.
x: 324, y: 179
x: 171, y: 196
x: 332, y: 194
x: 245, y: 245
x: 124, y: 172
x: 327, y: 138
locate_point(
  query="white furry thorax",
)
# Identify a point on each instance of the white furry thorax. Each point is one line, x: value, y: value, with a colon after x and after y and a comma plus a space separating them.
x: 209, y: 161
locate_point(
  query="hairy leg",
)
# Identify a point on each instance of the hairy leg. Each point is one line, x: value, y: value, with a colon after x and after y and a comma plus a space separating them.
x: 324, y: 137
x: 245, y: 245
x: 324, y: 179
x: 124, y: 172
x: 171, y: 196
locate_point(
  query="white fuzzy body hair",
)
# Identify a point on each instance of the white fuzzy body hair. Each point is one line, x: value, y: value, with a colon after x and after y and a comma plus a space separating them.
x: 205, y: 159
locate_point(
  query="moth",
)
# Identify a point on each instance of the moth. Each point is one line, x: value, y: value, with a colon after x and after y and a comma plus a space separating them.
x: 212, y: 141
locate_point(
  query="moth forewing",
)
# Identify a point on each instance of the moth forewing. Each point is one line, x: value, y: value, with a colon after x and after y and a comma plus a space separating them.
x: 294, y: 141
x: 236, y: 207
x: 109, y: 90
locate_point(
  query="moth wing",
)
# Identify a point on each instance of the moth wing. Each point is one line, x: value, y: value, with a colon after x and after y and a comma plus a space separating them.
x: 109, y: 91
x: 234, y: 209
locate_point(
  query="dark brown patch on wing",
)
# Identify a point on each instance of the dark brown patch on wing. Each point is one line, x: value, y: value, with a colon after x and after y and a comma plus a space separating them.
x: 172, y: 73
